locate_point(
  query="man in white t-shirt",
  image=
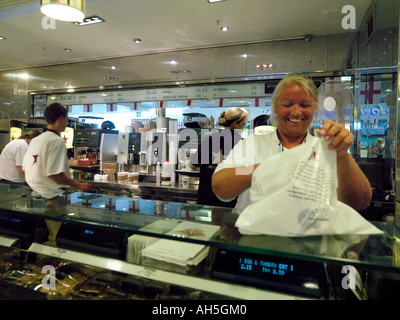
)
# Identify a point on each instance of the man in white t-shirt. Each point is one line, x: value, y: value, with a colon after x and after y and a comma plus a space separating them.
x: 12, y: 156
x: 46, y: 163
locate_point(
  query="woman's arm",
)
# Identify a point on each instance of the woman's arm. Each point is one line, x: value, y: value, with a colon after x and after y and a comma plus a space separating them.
x: 231, y: 182
x: 354, y: 188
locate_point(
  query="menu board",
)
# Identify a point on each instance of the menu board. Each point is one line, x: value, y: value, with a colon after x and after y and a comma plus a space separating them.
x: 242, y: 90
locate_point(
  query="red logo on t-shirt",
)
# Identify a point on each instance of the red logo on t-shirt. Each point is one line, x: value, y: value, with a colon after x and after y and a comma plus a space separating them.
x: 35, y: 156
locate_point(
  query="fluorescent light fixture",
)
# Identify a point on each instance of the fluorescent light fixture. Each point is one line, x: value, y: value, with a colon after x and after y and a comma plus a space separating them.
x: 89, y: 20
x: 64, y: 10
x: 2, y: 38
x: 212, y: 1
x: 22, y: 76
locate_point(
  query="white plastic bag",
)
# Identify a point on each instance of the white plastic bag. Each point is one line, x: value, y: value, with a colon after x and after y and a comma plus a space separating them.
x: 294, y: 194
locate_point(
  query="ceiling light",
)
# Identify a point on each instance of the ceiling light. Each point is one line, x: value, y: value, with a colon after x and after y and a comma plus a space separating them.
x: 137, y: 40
x: 22, y: 76
x: 265, y: 66
x: 67, y: 49
x: 2, y: 38
x: 64, y: 10
x: 212, y: 1
x: 173, y: 62
x: 89, y: 20
x: 224, y: 28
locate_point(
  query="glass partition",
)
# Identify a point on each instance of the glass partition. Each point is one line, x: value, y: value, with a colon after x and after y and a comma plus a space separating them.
x: 212, y: 226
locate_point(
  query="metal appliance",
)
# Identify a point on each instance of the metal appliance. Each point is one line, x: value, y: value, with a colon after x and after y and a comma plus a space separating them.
x: 128, y: 148
x: 90, y: 137
x: 158, y: 145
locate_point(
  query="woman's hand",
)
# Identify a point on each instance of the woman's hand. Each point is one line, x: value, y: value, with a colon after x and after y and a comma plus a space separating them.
x: 354, y: 188
x: 342, y: 139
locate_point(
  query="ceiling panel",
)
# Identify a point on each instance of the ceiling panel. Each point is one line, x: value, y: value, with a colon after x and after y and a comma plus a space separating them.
x: 163, y: 26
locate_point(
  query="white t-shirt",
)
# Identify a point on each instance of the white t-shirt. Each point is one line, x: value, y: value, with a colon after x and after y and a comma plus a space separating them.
x: 250, y: 151
x: 46, y: 156
x: 11, y: 157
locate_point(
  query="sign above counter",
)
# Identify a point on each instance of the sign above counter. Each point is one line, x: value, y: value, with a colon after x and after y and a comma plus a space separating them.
x: 243, y: 90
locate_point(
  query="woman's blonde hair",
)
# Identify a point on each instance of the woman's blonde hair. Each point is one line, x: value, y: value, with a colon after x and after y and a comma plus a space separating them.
x: 294, y: 78
x: 231, y: 115
x: 378, y: 142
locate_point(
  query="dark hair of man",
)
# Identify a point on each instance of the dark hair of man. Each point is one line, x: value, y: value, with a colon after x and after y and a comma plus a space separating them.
x: 53, y: 111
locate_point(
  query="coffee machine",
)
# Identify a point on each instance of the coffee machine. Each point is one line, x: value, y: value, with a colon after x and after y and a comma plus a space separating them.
x: 158, y: 144
x: 129, y: 148
x: 98, y: 143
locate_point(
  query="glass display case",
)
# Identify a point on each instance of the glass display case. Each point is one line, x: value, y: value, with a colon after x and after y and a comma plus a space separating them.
x: 118, y: 247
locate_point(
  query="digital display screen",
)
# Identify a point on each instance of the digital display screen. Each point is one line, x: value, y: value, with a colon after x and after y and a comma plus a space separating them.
x: 10, y: 219
x: 281, y: 273
x: 268, y: 268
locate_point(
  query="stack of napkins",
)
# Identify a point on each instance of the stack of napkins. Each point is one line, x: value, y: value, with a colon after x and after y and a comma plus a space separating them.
x: 137, y: 242
x: 179, y: 256
x: 177, y: 252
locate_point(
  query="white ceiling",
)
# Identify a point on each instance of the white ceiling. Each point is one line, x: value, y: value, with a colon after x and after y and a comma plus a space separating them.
x: 163, y: 25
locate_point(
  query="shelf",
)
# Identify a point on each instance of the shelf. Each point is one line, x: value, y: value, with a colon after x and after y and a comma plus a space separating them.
x: 190, y: 173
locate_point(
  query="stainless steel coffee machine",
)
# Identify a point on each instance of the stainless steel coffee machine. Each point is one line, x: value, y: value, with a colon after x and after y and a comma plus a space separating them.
x: 158, y: 144
x: 129, y: 148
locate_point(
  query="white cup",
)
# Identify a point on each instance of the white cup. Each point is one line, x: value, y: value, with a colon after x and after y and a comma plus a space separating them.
x: 185, y: 182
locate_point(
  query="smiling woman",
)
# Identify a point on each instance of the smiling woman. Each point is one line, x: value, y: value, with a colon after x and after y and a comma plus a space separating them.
x: 293, y: 106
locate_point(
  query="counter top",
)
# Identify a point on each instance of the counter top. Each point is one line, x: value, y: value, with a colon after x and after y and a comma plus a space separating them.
x: 138, y: 215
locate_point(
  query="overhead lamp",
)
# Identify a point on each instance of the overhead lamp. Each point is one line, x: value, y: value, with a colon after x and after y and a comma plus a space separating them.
x: 212, y: 1
x: 64, y: 10
x: 2, y: 38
